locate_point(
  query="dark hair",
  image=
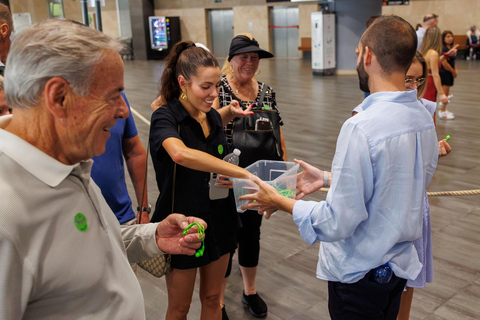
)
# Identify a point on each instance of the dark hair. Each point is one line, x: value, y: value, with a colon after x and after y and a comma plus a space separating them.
x: 184, y: 59
x: 423, y: 87
x: 6, y: 17
x: 393, y: 41
x: 371, y: 20
x: 418, y: 26
x: 444, y: 34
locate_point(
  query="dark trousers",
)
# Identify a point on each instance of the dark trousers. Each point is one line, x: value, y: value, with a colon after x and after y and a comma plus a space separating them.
x: 248, y: 241
x: 365, y: 299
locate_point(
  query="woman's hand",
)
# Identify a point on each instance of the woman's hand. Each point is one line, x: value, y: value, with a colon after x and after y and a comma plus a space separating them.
x: 237, y: 111
x: 223, y: 182
x: 443, y: 98
x: 443, y: 148
x: 309, y: 180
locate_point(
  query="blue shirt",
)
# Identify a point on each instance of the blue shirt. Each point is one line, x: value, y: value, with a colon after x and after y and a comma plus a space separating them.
x: 420, y: 33
x: 108, y: 170
x: 384, y: 160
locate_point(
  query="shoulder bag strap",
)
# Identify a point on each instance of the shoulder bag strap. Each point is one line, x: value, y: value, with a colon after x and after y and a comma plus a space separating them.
x: 262, y: 96
x: 174, y: 176
x: 144, y: 180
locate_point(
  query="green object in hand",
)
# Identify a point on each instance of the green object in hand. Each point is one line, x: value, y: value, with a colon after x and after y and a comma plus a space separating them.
x: 201, y: 235
x: 286, y: 192
x: 447, y: 138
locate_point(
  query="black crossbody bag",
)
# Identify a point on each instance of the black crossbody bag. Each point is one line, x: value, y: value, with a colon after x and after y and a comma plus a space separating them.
x: 258, y: 136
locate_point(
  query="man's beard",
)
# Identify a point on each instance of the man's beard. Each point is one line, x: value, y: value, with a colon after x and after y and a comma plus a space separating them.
x: 362, y: 77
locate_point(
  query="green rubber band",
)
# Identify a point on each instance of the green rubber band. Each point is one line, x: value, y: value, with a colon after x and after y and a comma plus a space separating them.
x: 201, y: 235
x: 285, y: 192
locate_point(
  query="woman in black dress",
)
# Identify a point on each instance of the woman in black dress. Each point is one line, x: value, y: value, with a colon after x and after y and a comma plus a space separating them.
x: 187, y: 143
x: 238, y: 86
x: 448, y: 71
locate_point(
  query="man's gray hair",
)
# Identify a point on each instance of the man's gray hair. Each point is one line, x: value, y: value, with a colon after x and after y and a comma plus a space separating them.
x: 55, y: 48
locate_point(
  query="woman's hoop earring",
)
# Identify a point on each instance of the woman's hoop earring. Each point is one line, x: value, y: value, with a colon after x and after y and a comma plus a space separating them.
x: 258, y: 72
x: 183, y: 96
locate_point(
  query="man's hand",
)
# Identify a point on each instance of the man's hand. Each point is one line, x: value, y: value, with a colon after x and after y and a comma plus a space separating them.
x: 309, y: 180
x: 443, y: 148
x: 267, y: 200
x: 170, y: 236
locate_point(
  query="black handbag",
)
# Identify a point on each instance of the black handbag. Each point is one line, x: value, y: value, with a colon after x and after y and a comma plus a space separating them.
x: 258, y: 136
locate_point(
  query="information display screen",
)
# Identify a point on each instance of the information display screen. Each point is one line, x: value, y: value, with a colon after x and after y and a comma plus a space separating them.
x: 158, y: 32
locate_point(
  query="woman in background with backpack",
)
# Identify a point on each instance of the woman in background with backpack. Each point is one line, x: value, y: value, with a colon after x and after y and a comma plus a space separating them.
x: 238, y: 86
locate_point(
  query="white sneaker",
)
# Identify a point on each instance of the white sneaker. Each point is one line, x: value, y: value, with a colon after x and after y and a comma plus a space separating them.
x: 447, y: 115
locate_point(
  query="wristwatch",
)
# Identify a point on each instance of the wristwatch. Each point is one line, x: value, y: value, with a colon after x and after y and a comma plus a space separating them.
x: 145, y: 209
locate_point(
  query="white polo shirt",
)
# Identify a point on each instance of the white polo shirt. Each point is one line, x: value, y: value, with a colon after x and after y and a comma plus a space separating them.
x: 53, y: 264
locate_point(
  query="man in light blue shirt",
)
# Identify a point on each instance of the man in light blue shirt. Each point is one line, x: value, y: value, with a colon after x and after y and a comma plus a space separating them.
x: 385, y: 158
x: 429, y: 20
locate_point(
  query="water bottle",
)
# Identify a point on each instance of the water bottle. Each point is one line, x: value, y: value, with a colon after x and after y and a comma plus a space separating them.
x: 233, y: 157
x: 382, y: 274
x: 450, y: 96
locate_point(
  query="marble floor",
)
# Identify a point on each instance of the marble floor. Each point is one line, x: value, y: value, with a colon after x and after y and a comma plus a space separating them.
x: 313, y: 109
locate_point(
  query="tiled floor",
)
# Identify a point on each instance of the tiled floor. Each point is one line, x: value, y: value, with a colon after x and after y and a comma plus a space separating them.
x: 313, y: 109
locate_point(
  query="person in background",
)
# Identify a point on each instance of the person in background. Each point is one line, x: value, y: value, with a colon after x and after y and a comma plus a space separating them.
x: 415, y: 79
x: 63, y: 253
x: 238, y: 86
x: 366, y: 229
x: 418, y: 26
x: 430, y: 20
x: 187, y: 143
x: 431, y: 50
x: 4, y: 108
x: 6, y: 30
x: 108, y: 171
x: 158, y: 102
x: 472, y: 42
x: 448, y: 71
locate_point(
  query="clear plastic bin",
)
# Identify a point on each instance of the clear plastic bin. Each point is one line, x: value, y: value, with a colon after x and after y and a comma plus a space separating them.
x: 281, y: 175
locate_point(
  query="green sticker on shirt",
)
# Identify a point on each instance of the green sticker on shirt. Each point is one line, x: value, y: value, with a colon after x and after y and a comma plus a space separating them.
x: 266, y: 107
x: 81, y: 222
x: 220, y: 149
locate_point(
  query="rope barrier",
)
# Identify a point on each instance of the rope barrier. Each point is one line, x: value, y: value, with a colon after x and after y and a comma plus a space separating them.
x: 441, y: 193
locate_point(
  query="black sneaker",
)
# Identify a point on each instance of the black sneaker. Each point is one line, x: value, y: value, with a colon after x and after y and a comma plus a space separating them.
x: 255, y: 304
x: 224, y: 313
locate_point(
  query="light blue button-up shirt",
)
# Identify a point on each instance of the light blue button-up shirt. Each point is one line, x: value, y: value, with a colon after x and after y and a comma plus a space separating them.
x: 384, y: 160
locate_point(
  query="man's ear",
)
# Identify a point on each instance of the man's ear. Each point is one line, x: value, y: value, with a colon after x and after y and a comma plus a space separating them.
x: 56, y: 91
x: 367, y: 56
x: 4, y: 30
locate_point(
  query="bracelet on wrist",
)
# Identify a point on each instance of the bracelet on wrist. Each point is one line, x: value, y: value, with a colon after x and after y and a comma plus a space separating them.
x: 325, y: 179
x: 145, y: 209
